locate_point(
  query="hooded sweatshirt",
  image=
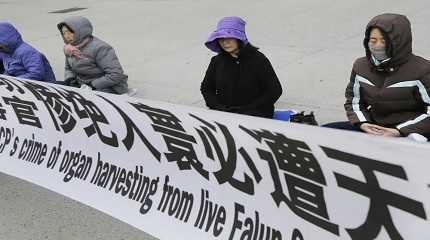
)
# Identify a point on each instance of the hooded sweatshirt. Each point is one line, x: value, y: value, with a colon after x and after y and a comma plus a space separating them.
x: 394, y: 93
x: 19, y: 59
x: 99, y: 67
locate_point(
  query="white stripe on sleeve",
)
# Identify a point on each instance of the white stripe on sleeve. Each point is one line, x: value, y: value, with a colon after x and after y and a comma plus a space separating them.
x: 415, y: 83
x: 356, y: 98
x: 410, y: 122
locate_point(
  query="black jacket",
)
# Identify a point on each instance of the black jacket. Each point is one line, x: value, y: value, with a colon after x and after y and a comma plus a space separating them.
x: 247, y: 84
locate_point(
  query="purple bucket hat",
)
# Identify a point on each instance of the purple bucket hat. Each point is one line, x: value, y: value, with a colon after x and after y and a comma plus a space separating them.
x: 228, y: 27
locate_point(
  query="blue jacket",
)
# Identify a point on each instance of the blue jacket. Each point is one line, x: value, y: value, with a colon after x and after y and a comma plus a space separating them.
x: 20, y: 59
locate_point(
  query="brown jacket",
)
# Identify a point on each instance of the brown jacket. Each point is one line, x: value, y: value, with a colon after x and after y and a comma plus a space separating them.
x: 394, y: 94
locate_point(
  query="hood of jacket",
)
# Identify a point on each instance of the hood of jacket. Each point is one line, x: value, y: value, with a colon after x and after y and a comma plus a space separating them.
x: 9, y: 37
x: 397, y: 33
x: 80, y: 26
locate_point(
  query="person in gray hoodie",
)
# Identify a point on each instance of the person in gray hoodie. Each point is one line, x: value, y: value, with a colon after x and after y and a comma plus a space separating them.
x: 90, y: 62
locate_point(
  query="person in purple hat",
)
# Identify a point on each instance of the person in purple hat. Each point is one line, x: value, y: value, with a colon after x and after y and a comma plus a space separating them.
x: 239, y: 79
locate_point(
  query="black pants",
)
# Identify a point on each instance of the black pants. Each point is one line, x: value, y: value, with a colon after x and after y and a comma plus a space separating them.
x: 343, y: 126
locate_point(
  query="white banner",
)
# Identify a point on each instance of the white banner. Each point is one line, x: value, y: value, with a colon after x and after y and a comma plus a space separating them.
x: 179, y: 172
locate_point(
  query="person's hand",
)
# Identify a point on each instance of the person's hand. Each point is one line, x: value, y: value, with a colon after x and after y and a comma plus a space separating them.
x: 85, y: 87
x: 371, y: 129
x: 380, y: 131
x: 70, y: 82
x: 391, y: 132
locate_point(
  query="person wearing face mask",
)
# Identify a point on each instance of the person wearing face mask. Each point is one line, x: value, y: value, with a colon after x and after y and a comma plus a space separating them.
x: 91, y: 64
x: 388, y: 92
x: 239, y: 79
x: 19, y: 59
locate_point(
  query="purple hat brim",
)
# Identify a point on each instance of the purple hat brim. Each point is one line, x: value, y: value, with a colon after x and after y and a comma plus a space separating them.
x: 212, y: 42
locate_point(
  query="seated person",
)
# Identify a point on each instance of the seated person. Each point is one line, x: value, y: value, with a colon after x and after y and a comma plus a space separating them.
x: 90, y: 62
x: 19, y: 59
x: 388, y: 92
x: 239, y: 79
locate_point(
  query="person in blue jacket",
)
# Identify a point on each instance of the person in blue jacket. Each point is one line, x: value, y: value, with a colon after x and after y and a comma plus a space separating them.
x: 19, y: 59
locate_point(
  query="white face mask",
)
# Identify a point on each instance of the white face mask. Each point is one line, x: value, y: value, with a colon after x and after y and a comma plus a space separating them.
x: 378, y: 52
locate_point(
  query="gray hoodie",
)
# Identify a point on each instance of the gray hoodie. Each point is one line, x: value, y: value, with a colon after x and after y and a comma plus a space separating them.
x: 100, y: 67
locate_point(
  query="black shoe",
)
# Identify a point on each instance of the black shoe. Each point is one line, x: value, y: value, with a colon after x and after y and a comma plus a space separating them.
x: 304, y: 118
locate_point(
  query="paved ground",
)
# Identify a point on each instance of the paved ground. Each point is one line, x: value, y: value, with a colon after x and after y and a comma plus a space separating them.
x: 311, y: 45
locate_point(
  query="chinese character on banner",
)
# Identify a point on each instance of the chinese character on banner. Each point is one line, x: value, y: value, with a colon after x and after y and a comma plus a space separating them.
x: 24, y: 111
x: 53, y: 103
x: 128, y: 141
x: 10, y: 86
x: 179, y: 143
x: 2, y: 112
x: 227, y: 161
x: 87, y: 109
x: 302, y: 175
x: 380, y: 199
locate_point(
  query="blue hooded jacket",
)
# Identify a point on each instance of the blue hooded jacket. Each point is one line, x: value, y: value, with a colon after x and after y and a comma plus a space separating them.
x: 20, y: 59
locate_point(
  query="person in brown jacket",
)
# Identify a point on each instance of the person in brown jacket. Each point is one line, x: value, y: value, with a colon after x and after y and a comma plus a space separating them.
x: 388, y: 92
